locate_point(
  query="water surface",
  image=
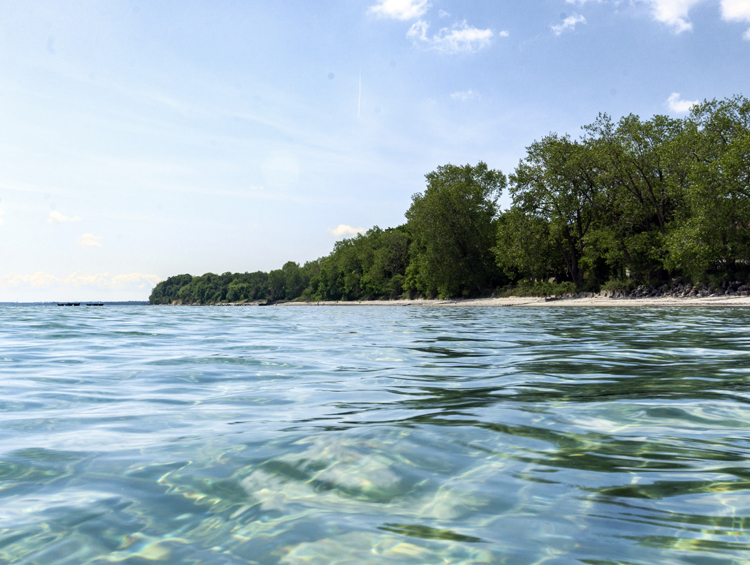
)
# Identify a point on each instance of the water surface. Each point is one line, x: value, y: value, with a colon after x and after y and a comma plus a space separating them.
x: 374, y: 435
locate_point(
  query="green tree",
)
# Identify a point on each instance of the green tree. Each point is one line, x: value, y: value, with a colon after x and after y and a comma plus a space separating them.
x: 713, y: 229
x: 276, y: 285
x: 525, y: 247
x: 640, y: 169
x: 385, y: 273
x: 452, y: 229
x: 553, y: 186
x: 166, y: 292
x: 296, y: 280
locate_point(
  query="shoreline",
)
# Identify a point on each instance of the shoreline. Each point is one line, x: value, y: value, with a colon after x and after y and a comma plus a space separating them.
x: 714, y: 301
x: 531, y: 301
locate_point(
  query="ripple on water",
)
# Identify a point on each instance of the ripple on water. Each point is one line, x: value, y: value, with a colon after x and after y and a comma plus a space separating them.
x: 374, y: 435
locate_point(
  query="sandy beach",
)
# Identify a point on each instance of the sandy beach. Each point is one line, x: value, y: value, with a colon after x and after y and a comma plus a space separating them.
x: 588, y: 301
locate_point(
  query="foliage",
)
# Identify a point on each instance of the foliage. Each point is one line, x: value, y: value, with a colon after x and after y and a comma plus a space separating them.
x: 635, y: 200
x: 167, y: 292
x: 452, y: 225
x: 371, y: 265
x: 525, y: 287
x: 619, y: 284
x: 711, y: 232
x: 551, y: 187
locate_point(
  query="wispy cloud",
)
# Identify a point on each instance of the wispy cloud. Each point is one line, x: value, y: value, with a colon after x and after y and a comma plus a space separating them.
x: 568, y: 24
x: 460, y: 38
x: 343, y: 230
x: 89, y: 240
x: 464, y: 95
x: 80, y: 279
x: 680, y: 106
x: 738, y: 11
x: 57, y: 218
x: 443, y: 14
x: 400, y: 9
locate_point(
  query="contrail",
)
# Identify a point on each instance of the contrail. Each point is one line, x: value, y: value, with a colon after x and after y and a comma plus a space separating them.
x: 359, y: 102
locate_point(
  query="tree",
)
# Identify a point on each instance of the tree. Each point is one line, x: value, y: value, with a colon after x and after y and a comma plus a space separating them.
x: 525, y: 247
x: 640, y: 171
x: 295, y: 280
x: 452, y: 227
x: 167, y: 291
x: 276, y: 282
x: 384, y: 276
x: 554, y: 185
x: 713, y: 229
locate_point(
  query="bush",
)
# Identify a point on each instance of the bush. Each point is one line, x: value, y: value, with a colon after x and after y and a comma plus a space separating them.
x: 538, y: 288
x: 619, y: 284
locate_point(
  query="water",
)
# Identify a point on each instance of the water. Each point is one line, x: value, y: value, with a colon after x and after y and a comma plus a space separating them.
x: 374, y: 435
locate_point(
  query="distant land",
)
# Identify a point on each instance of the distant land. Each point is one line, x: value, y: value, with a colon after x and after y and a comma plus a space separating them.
x: 636, y: 208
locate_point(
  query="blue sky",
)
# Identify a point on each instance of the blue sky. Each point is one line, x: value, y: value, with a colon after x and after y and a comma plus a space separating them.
x: 144, y: 139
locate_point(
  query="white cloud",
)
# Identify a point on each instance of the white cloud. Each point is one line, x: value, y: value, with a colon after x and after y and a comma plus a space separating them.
x: 736, y: 10
x: 345, y: 231
x: 89, y: 240
x: 400, y: 9
x: 443, y: 14
x: 460, y: 38
x: 503, y: 34
x: 465, y: 95
x: 674, y: 13
x: 569, y: 24
x: 680, y: 106
x: 2, y: 221
x: 58, y: 218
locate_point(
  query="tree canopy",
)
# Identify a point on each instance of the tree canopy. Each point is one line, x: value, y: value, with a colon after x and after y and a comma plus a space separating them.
x: 452, y: 225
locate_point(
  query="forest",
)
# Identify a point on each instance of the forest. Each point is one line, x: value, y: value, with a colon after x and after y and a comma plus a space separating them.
x: 627, y: 203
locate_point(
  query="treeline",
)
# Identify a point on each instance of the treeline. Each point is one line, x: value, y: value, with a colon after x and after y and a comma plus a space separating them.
x: 627, y: 203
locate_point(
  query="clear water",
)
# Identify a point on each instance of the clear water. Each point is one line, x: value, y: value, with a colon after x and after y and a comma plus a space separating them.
x: 374, y: 435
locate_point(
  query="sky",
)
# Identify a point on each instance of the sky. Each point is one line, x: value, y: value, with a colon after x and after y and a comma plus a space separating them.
x: 140, y: 140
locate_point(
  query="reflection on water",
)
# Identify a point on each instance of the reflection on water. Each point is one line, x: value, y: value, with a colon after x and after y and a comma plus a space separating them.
x: 308, y: 436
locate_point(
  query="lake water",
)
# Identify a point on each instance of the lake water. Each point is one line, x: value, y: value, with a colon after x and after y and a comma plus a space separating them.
x: 374, y: 435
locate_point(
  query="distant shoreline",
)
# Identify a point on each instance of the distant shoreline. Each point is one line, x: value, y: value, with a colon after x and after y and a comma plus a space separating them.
x: 531, y: 301
x: 741, y: 301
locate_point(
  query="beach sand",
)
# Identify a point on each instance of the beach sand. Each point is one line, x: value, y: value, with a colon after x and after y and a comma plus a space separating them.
x: 595, y: 300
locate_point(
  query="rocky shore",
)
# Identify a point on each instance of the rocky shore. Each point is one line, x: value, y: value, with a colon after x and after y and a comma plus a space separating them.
x: 688, y: 290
